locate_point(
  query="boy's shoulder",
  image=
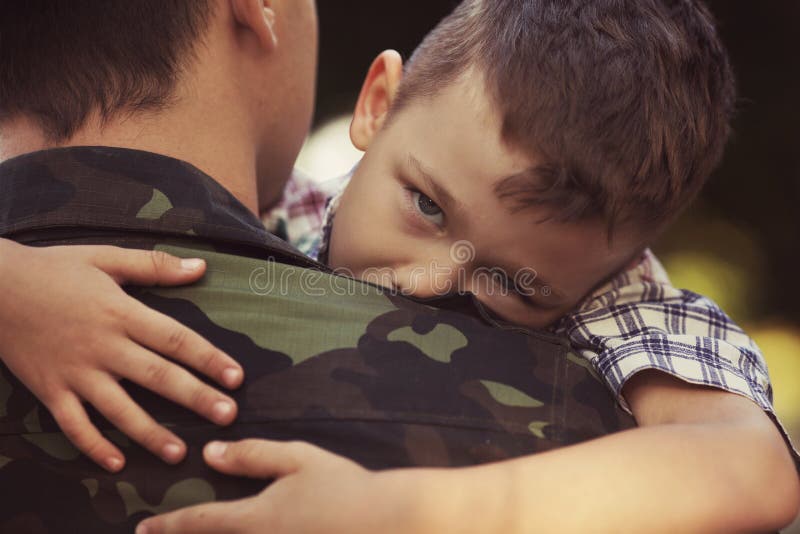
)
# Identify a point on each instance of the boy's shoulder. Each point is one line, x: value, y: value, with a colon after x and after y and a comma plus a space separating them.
x: 642, y: 272
x: 300, y: 214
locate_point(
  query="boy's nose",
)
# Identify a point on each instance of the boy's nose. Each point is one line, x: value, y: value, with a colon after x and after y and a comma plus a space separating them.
x: 437, y: 278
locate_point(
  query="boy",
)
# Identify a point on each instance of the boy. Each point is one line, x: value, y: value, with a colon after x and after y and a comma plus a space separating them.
x: 550, y: 147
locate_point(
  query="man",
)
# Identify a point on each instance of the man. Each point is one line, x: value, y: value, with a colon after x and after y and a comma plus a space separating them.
x: 389, y: 383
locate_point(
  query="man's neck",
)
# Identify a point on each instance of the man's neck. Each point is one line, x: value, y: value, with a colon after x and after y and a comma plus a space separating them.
x: 208, y: 142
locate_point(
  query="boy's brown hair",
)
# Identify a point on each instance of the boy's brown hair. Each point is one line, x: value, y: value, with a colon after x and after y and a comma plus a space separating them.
x: 625, y: 104
x: 62, y: 60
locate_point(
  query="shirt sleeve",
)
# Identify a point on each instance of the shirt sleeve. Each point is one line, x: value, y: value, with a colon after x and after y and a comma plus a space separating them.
x: 639, y: 321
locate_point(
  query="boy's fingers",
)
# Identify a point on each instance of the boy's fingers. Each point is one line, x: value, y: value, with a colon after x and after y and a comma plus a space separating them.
x: 173, y: 382
x: 165, y: 335
x: 146, y: 267
x: 211, y: 518
x: 257, y: 458
x: 78, y: 428
x: 108, y: 397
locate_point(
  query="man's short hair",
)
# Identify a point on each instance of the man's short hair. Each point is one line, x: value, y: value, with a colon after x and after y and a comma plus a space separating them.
x: 62, y: 60
x: 626, y: 104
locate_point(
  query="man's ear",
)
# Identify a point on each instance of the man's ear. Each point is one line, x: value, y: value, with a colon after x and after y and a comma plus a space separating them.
x: 258, y: 17
x: 375, y: 100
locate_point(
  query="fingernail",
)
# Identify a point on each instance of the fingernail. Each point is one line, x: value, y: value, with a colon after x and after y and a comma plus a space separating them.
x: 142, y: 529
x: 172, y: 452
x: 231, y: 377
x: 114, y: 464
x: 221, y: 411
x: 191, y: 264
x: 216, y: 449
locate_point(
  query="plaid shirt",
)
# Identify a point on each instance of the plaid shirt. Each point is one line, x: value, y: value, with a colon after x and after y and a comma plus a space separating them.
x: 634, y: 322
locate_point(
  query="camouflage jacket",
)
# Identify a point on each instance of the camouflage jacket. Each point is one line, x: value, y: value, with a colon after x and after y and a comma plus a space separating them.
x: 380, y: 379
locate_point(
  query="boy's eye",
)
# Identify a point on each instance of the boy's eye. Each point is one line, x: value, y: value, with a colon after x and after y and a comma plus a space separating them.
x: 428, y: 208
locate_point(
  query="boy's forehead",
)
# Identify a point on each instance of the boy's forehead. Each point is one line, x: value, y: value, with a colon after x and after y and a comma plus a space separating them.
x: 455, y: 141
x: 467, y: 95
x: 460, y: 155
x: 459, y: 126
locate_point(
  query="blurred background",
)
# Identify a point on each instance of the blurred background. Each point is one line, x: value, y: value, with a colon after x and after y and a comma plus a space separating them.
x: 738, y: 244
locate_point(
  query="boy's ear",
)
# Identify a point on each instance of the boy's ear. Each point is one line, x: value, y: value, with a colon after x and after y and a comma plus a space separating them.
x: 375, y: 100
x: 258, y: 17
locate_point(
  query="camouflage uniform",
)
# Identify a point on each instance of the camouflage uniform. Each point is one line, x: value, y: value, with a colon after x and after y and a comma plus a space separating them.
x: 383, y: 380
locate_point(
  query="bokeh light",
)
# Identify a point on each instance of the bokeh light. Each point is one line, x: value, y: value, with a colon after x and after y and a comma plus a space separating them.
x: 328, y: 152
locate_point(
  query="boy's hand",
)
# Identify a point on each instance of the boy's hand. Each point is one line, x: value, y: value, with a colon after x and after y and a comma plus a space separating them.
x: 719, y: 466
x: 70, y: 333
x: 315, y: 491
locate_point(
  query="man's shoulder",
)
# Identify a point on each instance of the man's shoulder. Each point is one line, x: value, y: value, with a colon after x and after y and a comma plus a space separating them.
x: 383, y: 380
x: 78, y: 192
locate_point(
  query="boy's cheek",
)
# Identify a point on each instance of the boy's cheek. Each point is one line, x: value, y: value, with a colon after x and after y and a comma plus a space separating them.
x: 512, y: 309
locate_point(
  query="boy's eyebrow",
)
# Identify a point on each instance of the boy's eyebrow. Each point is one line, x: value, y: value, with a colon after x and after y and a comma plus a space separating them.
x: 442, y: 195
x: 522, y: 190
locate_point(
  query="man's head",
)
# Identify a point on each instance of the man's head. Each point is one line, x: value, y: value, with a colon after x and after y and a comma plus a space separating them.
x: 68, y: 67
x: 567, y: 132
x: 62, y: 61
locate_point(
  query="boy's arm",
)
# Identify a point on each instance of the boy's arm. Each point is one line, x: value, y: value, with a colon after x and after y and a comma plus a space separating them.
x: 70, y: 333
x: 638, y: 320
x: 705, y: 461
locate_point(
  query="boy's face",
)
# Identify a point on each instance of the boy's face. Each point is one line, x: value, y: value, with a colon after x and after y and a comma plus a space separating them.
x: 422, y: 207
